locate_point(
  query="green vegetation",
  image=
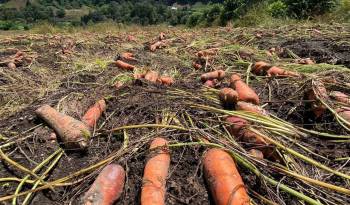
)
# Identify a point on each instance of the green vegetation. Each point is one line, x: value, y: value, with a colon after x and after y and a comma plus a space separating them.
x: 22, y: 14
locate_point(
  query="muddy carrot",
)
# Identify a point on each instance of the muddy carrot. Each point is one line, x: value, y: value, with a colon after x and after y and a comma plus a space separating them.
x: 235, y: 125
x: 155, y: 174
x: 245, y: 93
x: 317, y: 107
x: 107, y: 188
x: 225, y: 183
x: 260, y: 68
x: 139, y: 75
x: 340, y: 97
x: 131, y: 38
x: 228, y: 97
x: 156, y: 45
x: 256, y: 154
x: 124, y: 66
x: 218, y: 74
x: 210, y: 83
x: 249, y: 107
x: 165, y: 80
x: 94, y: 113
x: 344, y: 112
x: 152, y: 76
x: 276, y: 71
x: 128, y: 56
x: 161, y: 36
x: 196, y: 65
x: 11, y: 65
x: 74, y: 133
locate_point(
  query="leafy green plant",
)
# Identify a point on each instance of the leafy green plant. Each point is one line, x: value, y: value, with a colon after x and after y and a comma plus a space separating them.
x: 277, y: 9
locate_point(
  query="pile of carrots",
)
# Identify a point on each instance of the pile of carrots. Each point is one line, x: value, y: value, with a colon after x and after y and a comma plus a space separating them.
x: 211, y: 79
x: 18, y: 59
x: 154, y: 77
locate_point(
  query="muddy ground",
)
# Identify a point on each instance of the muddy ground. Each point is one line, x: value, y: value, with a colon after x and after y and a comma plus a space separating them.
x: 72, y: 71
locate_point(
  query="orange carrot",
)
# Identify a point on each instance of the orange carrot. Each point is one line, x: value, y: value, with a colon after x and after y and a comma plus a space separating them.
x: 156, y: 45
x: 276, y: 71
x: 256, y: 154
x: 260, y: 68
x: 225, y: 183
x: 317, y: 107
x: 124, y: 66
x: 74, y: 133
x: 128, y: 56
x: 11, y: 65
x: 108, y: 186
x: 249, y: 107
x: 236, y: 124
x: 306, y: 61
x: 218, y: 74
x: 139, y: 75
x: 207, y: 53
x: 94, y: 113
x: 196, y: 65
x: 131, y: 38
x: 155, y: 174
x: 152, y: 76
x: 245, y: 93
x: 228, y: 97
x: 210, y: 83
x: 340, y: 97
x: 344, y: 112
x: 166, y: 80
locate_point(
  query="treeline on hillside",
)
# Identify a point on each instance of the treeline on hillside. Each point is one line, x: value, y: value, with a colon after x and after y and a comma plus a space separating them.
x: 147, y: 12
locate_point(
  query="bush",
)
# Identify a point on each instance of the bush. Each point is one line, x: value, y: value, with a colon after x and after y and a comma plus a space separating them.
x: 277, y: 9
x: 194, y: 19
x: 309, y: 8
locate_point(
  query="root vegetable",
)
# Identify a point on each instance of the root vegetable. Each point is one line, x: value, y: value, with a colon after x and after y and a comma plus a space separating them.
x: 125, y: 66
x: 340, y: 97
x: 249, y: 107
x: 260, y: 68
x: 155, y: 174
x: 218, y: 74
x: 108, y: 186
x: 223, y: 178
x: 94, y: 113
x: 162, y: 36
x: 156, y: 45
x: 344, y: 112
x: 256, y: 154
x: 228, y: 97
x: 128, y: 56
x: 236, y: 124
x: 166, y: 80
x: 131, y: 38
x: 210, y: 83
x: 196, y: 65
x: 276, y: 71
x: 207, y: 53
x: 245, y: 93
x: 74, y: 133
x: 306, y: 61
x: 11, y: 65
x: 152, y: 76
x: 252, y: 138
x: 317, y: 107
x: 139, y: 75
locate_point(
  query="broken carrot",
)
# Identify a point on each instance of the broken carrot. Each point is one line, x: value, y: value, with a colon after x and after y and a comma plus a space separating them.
x: 276, y: 71
x: 155, y: 174
x: 94, y: 113
x: 74, y: 133
x: 260, y: 68
x: 125, y: 66
x: 249, y: 107
x: 156, y: 45
x: 340, y: 97
x: 256, y: 153
x: 128, y: 56
x: 218, y: 74
x: 165, y: 80
x: 108, y: 186
x: 228, y: 97
x: 224, y: 180
x: 245, y: 93
x: 236, y: 124
x: 152, y: 76
x: 211, y: 83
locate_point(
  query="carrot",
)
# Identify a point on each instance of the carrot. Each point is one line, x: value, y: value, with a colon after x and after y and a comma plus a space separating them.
x: 11, y: 65
x: 260, y: 68
x: 94, y: 113
x: 152, y: 76
x: 128, y: 56
x: 245, y: 93
x: 124, y: 66
x: 218, y: 74
x: 211, y: 83
x: 74, y: 133
x: 131, y: 38
x: 196, y: 65
x: 340, y: 97
x: 276, y: 71
x: 317, y: 107
x: 249, y: 107
x: 225, y: 183
x: 108, y: 186
x: 161, y: 36
x: 252, y: 138
x: 306, y: 61
x: 155, y: 174
x: 207, y: 53
x: 256, y: 154
x: 236, y: 124
x: 156, y: 45
x: 166, y: 80
x: 139, y: 75
x: 228, y: 97
x: 344, y: 112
